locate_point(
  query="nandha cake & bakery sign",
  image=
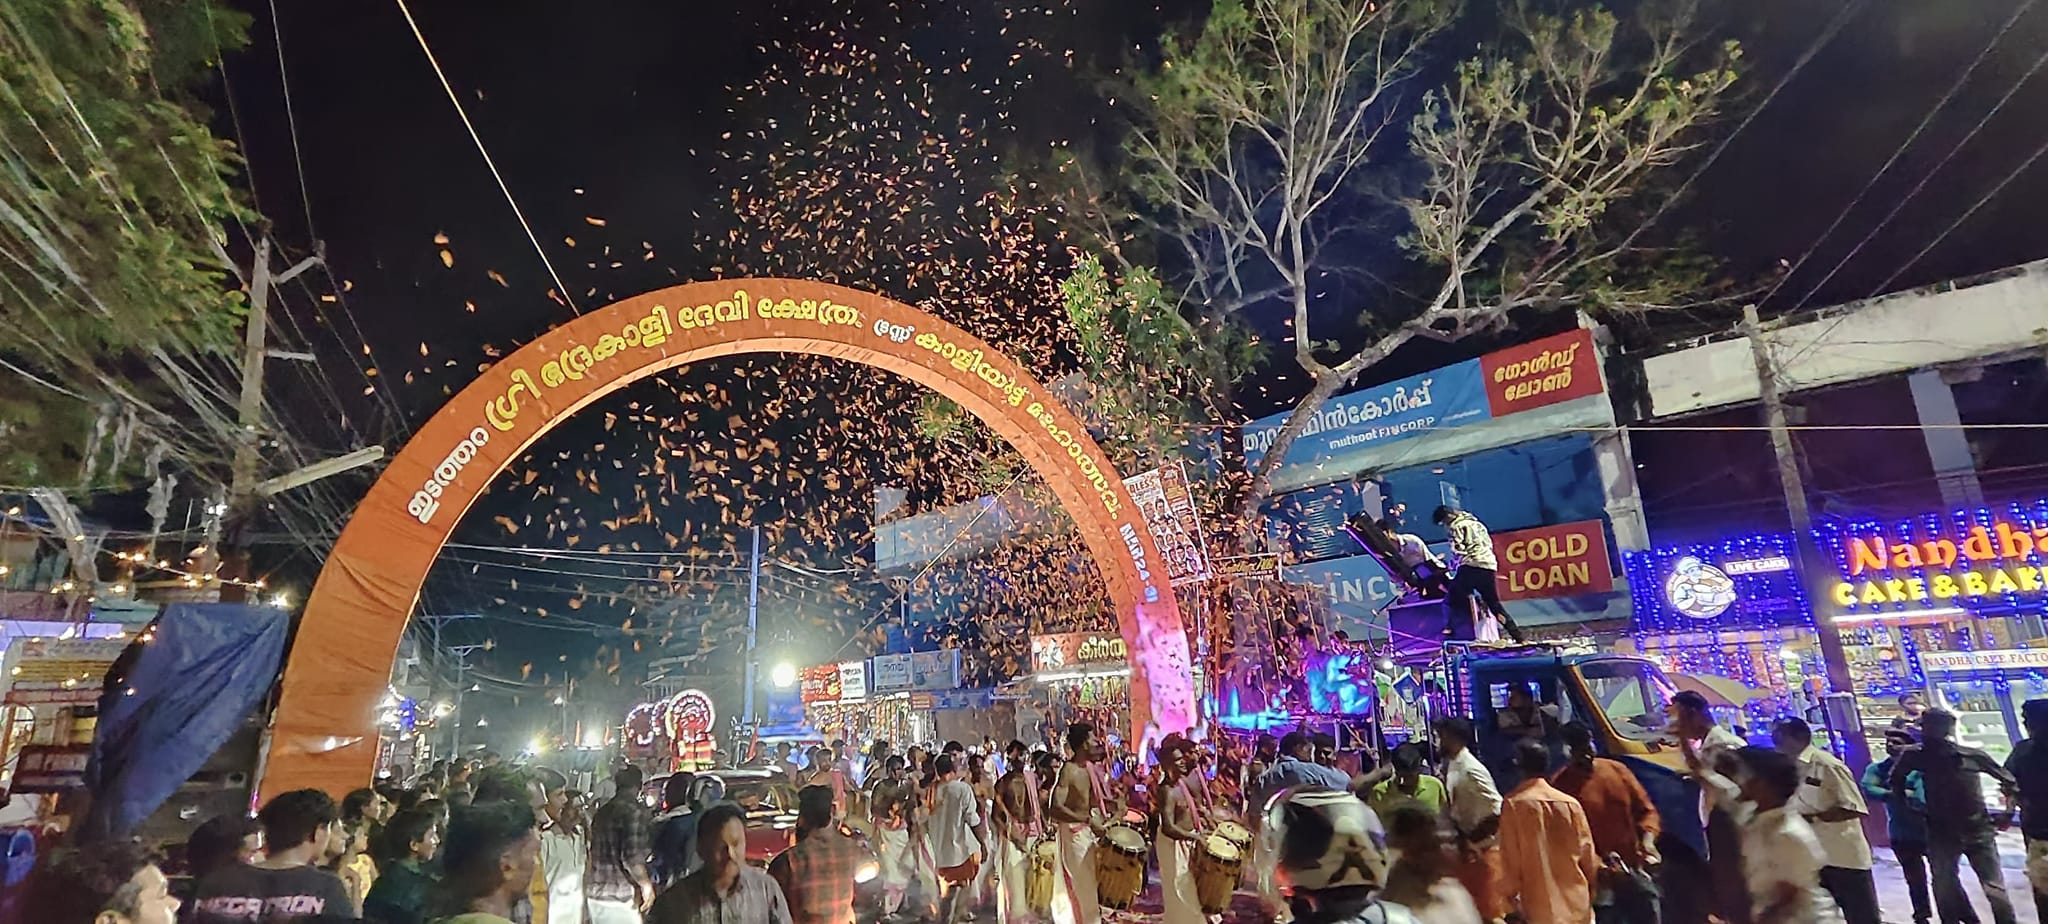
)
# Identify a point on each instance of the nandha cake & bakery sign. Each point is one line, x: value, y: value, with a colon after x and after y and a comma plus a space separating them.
x: 1983, y: 561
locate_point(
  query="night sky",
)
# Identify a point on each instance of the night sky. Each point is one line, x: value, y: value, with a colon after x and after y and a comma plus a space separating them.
x: 645, y: 133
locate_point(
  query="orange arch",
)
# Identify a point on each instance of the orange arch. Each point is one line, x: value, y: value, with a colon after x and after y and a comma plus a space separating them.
x: 324, y: 733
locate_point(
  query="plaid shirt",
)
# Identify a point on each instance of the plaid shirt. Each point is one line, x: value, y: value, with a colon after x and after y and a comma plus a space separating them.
x: 817, y: 876
x: 621, y: 840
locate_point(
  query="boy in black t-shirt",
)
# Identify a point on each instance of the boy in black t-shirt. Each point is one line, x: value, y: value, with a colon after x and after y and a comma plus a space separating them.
x: 285, y: 886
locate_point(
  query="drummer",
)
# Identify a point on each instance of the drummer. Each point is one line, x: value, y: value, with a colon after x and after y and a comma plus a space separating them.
x: 1016, y: 822
x: 1079, y: 821
x: 1181, y: 827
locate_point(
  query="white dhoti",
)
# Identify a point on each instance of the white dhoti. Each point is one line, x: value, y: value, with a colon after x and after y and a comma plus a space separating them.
x: 1075, y: 898
x: 1177, y: 883
x: 898, y: 865
x: 1011, y: 869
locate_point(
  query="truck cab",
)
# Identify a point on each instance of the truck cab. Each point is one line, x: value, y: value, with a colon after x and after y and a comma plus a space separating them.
x: 1619, y: 698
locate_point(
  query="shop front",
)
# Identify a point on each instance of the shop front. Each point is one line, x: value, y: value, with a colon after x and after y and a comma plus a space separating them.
x: 1077, y: 677
x: 1946, y: 605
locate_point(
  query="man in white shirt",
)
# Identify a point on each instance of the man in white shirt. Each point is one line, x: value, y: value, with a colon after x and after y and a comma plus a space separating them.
x: 1475, y: 813
x: 956, y: 839
x: 1781, y: 856
x: 1831, y: 801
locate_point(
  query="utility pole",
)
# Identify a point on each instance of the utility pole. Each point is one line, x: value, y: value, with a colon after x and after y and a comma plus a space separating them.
x: 244, y: 491
x: 1813, y: 567
x: 461, y: 653
x: 753, y: 625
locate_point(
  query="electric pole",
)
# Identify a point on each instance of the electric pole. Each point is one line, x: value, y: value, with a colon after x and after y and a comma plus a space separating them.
x: 244, y: 491
x: 753, y: 625
x: 1814, y: 568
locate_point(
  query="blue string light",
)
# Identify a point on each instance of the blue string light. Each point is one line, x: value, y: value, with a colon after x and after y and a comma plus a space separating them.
x: 1771, y: 610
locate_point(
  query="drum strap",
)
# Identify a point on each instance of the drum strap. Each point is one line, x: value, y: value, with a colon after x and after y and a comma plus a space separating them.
x: 1037, y: 826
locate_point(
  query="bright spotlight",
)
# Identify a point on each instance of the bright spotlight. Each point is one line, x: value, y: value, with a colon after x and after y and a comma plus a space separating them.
x: 783, y: 675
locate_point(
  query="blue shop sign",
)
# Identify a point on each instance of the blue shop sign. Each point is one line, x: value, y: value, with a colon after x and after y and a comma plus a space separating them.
x: 964, y: 699
x: 1452, y: 396
x: 1358, y: 586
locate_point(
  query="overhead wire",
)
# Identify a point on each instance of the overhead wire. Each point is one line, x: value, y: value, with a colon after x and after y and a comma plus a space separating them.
x: 1947, y: 96
x: 291, y: 118
x: 568, y: 298
x: 1827, y: 35
x: 1900, y: 204
x: 2039, y: 150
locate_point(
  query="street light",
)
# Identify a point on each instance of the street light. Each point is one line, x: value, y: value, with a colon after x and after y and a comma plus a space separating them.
x: 783, y: 675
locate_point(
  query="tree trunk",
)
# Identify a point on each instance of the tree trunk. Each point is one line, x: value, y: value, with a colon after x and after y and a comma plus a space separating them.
x: 1261, y: 483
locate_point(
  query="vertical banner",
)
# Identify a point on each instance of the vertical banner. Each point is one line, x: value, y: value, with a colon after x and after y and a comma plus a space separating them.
x: 1168, y: 506
x: 853, y: 679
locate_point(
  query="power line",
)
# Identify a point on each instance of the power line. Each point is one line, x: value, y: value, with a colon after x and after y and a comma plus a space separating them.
x: 1952, y: 226
x: 1813, y: 48
x: 1898, y: 152
x: 1900, y: 205
x: 567, y: 298
x: 291, y: 119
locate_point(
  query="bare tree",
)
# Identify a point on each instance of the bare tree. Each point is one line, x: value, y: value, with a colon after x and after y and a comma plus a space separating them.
x: 1252, y: 159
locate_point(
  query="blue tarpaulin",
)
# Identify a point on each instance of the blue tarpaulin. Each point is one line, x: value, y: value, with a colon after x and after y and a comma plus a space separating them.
x: 208, y: 665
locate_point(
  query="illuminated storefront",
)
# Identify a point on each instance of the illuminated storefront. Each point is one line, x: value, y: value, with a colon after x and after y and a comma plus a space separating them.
x: 1946, y: 604
x: 1080, y: 677
x: 872, y: 700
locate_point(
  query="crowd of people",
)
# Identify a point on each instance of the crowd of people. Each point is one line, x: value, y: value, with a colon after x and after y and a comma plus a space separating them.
x: 1429, y: 834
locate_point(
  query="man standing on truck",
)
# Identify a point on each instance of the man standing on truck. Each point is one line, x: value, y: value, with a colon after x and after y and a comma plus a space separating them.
x: 1472, y: 550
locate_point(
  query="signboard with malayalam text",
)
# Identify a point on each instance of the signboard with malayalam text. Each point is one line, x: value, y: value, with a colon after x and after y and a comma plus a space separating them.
x: 48, y: 768
x: 1067, y: 650
x: 892, y: 672
x: 57, y: 671
x: 819, y: 683
x: 935, y: 670
x: 1521, y: 378
x: 853, y: 679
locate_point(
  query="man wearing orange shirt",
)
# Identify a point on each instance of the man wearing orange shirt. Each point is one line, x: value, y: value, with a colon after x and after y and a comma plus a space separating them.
x: 1624, y: 823
x: 1546, y: 847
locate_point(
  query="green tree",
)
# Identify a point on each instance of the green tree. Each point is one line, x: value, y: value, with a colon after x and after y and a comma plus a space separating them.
x: 1267, y: 144
x: 114, y: 287
x: 1153, y: 377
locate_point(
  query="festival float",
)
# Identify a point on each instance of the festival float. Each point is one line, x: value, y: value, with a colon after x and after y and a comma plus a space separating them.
x: 674, y: 734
